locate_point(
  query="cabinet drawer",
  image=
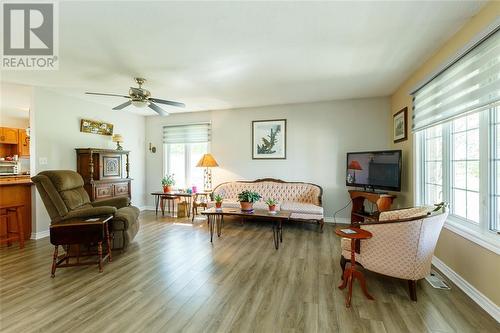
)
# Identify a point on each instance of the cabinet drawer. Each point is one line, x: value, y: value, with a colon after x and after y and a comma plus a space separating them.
x: 103, y: 191
x: 121, y: 189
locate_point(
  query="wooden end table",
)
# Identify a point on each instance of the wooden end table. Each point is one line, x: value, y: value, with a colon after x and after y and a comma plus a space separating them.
x: 351, y: 273
x: 216, y: 219
x: 80, y: 231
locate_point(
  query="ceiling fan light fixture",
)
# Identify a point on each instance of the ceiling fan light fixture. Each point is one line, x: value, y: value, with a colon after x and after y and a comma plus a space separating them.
x: 140, y: 103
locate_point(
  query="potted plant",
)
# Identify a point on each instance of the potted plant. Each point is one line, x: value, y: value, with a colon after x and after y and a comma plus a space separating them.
x: 271, y: 204
x: 247, y: 198
x: 218, y: 201
x: 168, y: 181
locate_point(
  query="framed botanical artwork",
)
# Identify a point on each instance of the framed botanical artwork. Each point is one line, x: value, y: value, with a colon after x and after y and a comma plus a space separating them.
x: 96, y: 127
x: 400, y: 125
x: 269, y: 139
x: 111, y: 166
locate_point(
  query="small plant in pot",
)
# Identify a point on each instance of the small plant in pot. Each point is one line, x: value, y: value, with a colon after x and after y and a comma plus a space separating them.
x: 218, y: 201
x: 271, y: 204
x: 168, y: 181
x: 247, y: 198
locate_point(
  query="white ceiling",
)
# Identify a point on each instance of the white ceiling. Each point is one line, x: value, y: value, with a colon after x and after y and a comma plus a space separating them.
x: 219, y: 55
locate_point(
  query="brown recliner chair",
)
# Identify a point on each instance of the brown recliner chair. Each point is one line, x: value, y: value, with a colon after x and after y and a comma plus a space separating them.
x: 64, y: 198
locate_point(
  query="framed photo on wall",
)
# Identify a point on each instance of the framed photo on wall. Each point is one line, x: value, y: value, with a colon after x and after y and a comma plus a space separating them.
x: 400, y: 125
x: 269, y: 139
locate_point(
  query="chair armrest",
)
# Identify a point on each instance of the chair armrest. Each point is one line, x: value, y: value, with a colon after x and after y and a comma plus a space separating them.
x: 90, y: 212
x: 117, y: 202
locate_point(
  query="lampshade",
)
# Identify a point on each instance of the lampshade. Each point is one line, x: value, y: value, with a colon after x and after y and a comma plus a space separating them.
x: 117, y: 138
x: 207, y: 161
x: 354, y: 165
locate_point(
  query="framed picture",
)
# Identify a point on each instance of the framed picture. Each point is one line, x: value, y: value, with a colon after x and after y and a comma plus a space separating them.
x: 96, y: 127
x: 269, y: 139
x: 111, y: 166
x: 400, y: 123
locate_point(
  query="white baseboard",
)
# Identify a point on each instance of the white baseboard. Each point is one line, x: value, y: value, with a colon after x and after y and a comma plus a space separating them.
x: 147, y: 208
x: 338, y: 220
x: 40, y: 235
x: 478, y: 297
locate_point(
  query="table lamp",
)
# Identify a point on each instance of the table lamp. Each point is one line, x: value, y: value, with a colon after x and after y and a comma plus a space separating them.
x: 354, y: 165
x: 207, y: 161
x: 118, y: 138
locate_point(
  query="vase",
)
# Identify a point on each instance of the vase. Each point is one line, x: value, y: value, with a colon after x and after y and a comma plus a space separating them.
x: 167, y: 189
x: 218, y: 205
x: 246, y: 206
x: 272, y: 208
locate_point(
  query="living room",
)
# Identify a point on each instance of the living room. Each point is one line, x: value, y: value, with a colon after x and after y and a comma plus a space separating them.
x: 227, y: 70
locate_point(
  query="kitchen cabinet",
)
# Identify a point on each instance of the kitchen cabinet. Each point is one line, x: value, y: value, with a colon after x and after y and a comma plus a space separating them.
x: 13, y: 191
x: 23, y: 146
x: 9, y: 135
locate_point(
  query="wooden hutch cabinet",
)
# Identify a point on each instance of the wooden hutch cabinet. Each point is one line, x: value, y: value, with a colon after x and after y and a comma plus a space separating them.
x: 104, y: 171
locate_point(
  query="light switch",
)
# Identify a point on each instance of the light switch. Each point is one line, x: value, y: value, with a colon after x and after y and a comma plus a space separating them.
x: 43, y: 161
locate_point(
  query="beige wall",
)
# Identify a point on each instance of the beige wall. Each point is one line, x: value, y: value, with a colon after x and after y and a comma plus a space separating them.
x: 318, y: 137
x: 478, y: 266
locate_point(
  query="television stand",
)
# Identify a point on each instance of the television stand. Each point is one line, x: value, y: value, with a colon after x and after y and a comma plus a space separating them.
x: 383, y: 202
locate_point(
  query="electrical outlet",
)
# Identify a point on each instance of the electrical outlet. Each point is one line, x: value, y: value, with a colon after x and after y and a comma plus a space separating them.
x: 43, y: 161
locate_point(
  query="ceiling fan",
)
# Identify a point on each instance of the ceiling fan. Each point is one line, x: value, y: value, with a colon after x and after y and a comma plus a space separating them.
x: 140, y: 97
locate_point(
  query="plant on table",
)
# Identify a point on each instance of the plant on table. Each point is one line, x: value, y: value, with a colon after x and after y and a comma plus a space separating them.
x: 247, y: 198
x: 218, y: 201
x: 271, y: 203
x: 168, y: 181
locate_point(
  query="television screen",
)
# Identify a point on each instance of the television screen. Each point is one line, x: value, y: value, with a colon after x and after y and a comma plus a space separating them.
x: 374, y: 170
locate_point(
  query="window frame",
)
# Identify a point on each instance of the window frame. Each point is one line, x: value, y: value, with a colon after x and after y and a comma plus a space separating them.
x: 187, y: 159
x: 480, y: 233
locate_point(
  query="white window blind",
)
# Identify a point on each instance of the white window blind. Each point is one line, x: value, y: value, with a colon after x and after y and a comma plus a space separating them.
x: 470, y: 84
x: 193, y: 133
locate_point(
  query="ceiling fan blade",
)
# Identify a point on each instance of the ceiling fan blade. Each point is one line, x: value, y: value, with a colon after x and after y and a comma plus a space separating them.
x: 158, y: 109
x: 93, y: 93
x: 121, y: 106
x: 162, y: 101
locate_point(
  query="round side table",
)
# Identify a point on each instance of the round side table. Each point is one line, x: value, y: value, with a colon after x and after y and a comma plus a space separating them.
x: 350, y: 273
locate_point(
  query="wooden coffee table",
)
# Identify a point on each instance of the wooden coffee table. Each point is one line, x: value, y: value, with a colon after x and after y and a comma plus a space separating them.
x: 351, y: 273
x: 216, y: 217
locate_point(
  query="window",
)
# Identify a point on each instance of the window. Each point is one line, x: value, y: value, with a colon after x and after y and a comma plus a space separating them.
x: 433, y: 165
x: 456, y: 123
x: 184, y: 145
x: 452, y: 156
x: 465, y: 167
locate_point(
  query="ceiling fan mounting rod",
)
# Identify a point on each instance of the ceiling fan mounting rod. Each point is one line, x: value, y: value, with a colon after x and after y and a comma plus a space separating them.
x: 140, y: 81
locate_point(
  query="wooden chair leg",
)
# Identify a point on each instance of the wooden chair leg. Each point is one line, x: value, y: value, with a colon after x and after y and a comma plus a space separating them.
x: 412, y: 286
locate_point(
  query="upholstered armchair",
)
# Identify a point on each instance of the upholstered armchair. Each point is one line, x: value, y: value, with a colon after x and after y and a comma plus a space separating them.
x: 402, y: 244
x: 64, y: 197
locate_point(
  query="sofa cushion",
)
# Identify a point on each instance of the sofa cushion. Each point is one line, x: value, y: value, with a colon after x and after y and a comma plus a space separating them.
x: 124, y: 217
x: 303, y: 208
x: 236, y: 204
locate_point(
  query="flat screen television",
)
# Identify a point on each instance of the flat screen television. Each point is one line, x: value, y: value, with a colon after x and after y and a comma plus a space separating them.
x: 374, y: 170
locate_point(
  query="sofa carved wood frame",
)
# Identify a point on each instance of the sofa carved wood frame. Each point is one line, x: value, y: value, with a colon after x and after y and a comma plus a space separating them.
x: 321, y: 222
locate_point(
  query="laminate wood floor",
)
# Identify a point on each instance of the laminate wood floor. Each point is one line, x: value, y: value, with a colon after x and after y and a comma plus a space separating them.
x: 172, y: 279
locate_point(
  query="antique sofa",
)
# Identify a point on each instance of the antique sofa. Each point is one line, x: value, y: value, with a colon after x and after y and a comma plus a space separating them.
x: 302, y: 200
x: 64, y: 198
x: 402, y: 245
